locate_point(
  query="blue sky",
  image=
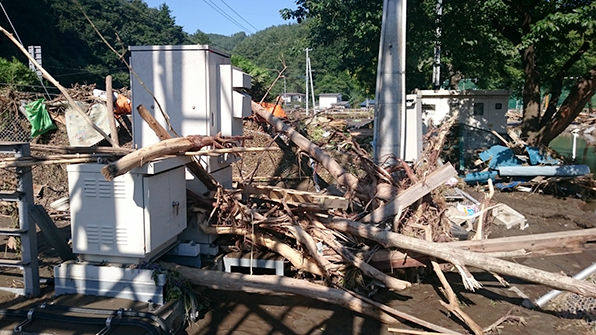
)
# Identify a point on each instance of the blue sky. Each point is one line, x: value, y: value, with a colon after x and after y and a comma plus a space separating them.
x: 205, y: 15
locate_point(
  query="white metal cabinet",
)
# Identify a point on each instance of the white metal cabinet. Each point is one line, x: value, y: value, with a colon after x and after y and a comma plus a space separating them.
x: 132, y: 218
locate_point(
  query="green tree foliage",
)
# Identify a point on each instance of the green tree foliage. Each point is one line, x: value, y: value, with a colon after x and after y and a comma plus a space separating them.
x: 72, y: 51
x: 260, y: 77
x: 285, y: 44
x: 527, y: 45
x: 199, y: 37
x: 15, y: 74
x: 226, y: 43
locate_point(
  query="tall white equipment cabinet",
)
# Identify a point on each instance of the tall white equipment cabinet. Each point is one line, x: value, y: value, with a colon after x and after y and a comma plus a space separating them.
x: 198, y: 88
x: 132, y: 218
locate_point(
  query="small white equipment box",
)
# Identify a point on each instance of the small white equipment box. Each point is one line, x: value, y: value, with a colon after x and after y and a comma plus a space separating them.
x: 130, y: 219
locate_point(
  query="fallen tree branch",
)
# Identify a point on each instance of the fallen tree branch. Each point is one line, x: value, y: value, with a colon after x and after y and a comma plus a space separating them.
x: 298, y: 260
x: 157, y: 150
x: 195, y: 167
x: 343, y: 177
x: 462, y: 257
x: 390, y: 282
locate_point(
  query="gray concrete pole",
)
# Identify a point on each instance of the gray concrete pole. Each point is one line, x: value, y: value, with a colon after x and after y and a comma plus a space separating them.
x: 390, y: 97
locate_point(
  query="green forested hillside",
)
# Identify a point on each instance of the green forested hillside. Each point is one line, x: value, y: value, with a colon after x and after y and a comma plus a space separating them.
x: 72, y: 51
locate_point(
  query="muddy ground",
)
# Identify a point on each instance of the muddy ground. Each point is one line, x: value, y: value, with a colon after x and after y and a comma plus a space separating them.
x: 243, y: 313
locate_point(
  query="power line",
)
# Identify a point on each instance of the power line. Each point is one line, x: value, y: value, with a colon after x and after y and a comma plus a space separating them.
x: 224, y: 14
x: 19, y: 38
x: 240, y: 16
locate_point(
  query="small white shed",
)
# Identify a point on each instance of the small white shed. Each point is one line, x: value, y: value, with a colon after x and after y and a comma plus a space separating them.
x: 477, y: 108
x: 326, y: 100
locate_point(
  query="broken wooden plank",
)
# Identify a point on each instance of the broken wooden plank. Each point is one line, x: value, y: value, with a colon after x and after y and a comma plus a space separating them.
x: 298, y: 198
x: 547, y: 244
x: 412, y: 194
x: 459, y: 257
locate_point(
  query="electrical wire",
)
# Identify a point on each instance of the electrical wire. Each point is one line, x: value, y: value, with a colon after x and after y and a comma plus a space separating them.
x: 19, y: 38
x: 240, y: 16
x: 224, y: 14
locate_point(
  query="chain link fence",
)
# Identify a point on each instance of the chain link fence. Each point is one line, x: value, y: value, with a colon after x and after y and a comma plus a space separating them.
x: 14, y: 126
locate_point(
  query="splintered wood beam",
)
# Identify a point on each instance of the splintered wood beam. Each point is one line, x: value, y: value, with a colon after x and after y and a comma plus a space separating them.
x: 412, y: 194
x: 298, y: 198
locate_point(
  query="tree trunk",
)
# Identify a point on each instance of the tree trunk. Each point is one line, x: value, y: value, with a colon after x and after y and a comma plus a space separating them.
x: 580, y: 95
x: 531, y: 94
x: 271, y: 284
x: 462, y: 257
x: 343, y: 177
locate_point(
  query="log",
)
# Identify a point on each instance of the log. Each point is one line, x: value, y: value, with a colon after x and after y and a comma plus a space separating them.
x: 275, y: 284
x: 460, y: 257
x: 160, y: 131
x: 412, y: 194
x: 306, y: 240
x: 195, y: 167
x: 60, y: 87
x: 343, y: 177
x: 298, y: 261
x: 152, y: 152
x: 390, y: 282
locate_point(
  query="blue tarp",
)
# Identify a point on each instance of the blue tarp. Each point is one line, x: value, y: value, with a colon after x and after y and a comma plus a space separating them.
x: 539, y: 158
x: 499, y: 156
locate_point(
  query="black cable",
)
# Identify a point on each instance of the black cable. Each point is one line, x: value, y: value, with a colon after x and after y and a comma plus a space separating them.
x: 151, y: 329
x: 110, y: 312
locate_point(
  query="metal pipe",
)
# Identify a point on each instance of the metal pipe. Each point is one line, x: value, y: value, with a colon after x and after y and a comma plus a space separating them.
x: 585, y: 273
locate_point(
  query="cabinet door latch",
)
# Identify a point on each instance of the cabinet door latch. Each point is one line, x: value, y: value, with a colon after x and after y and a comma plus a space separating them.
x: 175, y: 208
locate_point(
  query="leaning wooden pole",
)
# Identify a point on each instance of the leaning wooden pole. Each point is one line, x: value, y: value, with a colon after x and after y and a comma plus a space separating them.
x: 463, y: 258
x: 60, y: 87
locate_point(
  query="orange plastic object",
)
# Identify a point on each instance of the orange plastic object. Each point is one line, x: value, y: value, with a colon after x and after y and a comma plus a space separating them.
x: 123, y: 105
x: 279, y: 112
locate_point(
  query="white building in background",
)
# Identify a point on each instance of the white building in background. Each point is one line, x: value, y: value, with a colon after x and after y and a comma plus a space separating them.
x: 293, y: 97
x: 477, y: 108
x: 326, y: 100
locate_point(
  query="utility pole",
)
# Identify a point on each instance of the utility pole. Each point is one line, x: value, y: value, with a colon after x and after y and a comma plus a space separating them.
x: 437, y: 53
x: 306, y: 78
x: 389, y: 125
x: 312, y: 89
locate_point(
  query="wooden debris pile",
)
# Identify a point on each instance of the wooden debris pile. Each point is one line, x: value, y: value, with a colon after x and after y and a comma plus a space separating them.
x: 390, y: 216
